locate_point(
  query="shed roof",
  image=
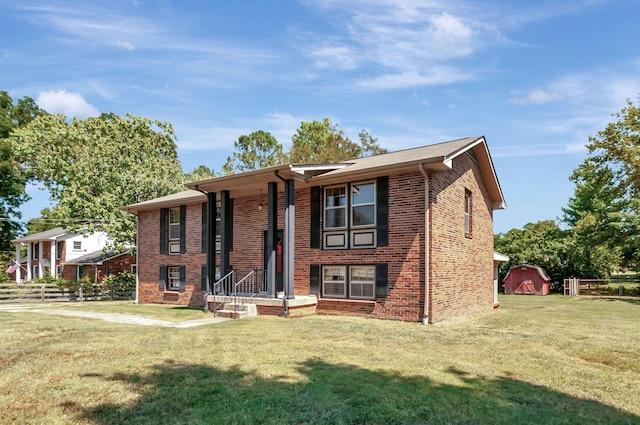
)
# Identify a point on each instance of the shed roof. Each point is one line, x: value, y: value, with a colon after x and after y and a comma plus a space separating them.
x: 540, y: 270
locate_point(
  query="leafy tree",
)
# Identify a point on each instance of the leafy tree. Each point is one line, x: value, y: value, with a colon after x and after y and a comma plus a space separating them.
x: 542, y: 244
x: 605, y: 210
x: 257, y: 150
x: 12, y: 176
x: 595, y: 238
x: 322, y: 142
x: 202, y: 172
x: 92, y: 167
x: 48, y: 220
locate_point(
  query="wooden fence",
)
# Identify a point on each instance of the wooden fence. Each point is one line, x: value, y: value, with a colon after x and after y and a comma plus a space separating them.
x: 610, y: 286
x: 50, y: 292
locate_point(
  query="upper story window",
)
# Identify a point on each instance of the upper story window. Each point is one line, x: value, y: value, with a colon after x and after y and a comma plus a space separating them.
x: 363, y: 204
x: 59, y: 249
x: 35, y: 250
x: 77, y: 245
x: 350, y: 216
x: 335, y: 207
x: 467, y: 213
x: 173, y: 230
x: 174, y: 224
x: 349, y: 221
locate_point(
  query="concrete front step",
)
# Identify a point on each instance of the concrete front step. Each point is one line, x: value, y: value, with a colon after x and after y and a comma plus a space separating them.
x: 244, y: 310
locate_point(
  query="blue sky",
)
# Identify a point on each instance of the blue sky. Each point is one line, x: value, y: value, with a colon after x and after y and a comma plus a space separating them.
x: 537, y: 78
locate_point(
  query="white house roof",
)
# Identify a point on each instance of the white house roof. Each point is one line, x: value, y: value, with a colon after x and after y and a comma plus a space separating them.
x: 96, y: 257
x: 43, y: 236
x: 500, y: 257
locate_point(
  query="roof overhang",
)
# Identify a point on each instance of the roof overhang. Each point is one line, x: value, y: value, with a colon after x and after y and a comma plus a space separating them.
x: 255, y: 182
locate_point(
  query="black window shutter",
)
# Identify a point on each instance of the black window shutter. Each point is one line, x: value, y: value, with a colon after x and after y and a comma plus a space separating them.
x: 183, y: 229
x: 203, y: 277
x: 163, y: 230
x: 162, y: 278
x: 183, y: 272
x: 229, y: 224
x: 315, y: 217
x: 205, y: 228
x: 382, y: 210
x: 314, y: 279
x: 382, y: 280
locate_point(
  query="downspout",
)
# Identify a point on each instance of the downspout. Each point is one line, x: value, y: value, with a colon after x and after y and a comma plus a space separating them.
x: 285, y: 305
x: 208, y: 291
x: 425, y: 316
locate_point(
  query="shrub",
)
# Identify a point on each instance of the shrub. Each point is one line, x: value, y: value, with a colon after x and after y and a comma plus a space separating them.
x: 121, y: 285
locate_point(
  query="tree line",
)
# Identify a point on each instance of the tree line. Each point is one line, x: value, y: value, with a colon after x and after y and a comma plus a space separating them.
x: 91, y: 167
x: 599, y: 231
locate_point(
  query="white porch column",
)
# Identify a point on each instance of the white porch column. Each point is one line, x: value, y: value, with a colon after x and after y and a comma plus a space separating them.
x: 52, y: 255
x: 29, y: 264
x: 40, y: 259
x: 19, y: 270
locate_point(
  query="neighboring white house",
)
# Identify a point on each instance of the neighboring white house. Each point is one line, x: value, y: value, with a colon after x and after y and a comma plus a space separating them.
x: 48, y: 251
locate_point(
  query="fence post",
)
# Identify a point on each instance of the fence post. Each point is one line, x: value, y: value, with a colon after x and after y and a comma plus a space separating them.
x: 42, y: 292
x: 80, y: 294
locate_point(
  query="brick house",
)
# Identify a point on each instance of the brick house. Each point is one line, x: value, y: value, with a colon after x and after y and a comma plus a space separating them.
x: 406, y: 235
x: 67, y: 255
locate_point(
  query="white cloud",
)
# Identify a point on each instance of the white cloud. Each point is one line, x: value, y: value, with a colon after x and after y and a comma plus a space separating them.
x: 63, y: 102
x: 434, y: 76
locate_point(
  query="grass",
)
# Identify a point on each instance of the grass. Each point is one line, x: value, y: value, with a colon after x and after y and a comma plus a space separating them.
x: 538, y: 360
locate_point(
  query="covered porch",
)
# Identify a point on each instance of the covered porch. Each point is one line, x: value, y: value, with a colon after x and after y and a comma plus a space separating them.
x: 250, y: 240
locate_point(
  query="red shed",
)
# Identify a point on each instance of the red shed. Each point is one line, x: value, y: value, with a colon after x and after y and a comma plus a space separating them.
x: 526, y: 279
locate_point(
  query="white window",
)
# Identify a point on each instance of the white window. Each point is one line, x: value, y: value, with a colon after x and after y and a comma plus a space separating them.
x: 362, y: 282
x: 335, y: 207
x: 58, y: 272
x: 35, y: 250
x: 59, y: 249
x: 467, y: 212
x: 77, y: 245
x: 174, y: 231
x: 134, y: 268
x: 334, y: 281
x: 173, y: 278
x: 363, y: 204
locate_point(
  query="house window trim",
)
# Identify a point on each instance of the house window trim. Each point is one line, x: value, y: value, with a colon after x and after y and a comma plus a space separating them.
x: 348, y: 280
x: 347, y: 237
x: 344, y: 207
x: 173, y: 243
x: 77, y: 247
x: 468, y: 213
x: 353, y: 205
x: 344, y: 281
x: 168, y: 287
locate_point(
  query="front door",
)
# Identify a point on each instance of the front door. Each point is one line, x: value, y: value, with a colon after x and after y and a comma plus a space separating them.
x: 279, y: 268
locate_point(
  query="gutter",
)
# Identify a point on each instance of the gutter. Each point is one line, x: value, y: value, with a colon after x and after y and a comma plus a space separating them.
x: 427, y: 283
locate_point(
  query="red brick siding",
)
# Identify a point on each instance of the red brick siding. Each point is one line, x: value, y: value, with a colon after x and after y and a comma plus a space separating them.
x: 461, y: 266
x: 150, y: 259
x: 403, y: 254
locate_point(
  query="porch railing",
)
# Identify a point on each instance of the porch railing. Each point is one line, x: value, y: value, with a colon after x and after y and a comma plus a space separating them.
x: 241, y: 292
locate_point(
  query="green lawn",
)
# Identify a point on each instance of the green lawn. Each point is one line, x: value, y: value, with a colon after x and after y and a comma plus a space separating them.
x: 538, y: 360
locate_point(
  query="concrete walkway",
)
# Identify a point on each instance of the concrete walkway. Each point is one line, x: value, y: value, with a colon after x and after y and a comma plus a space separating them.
x: 110, y: 317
